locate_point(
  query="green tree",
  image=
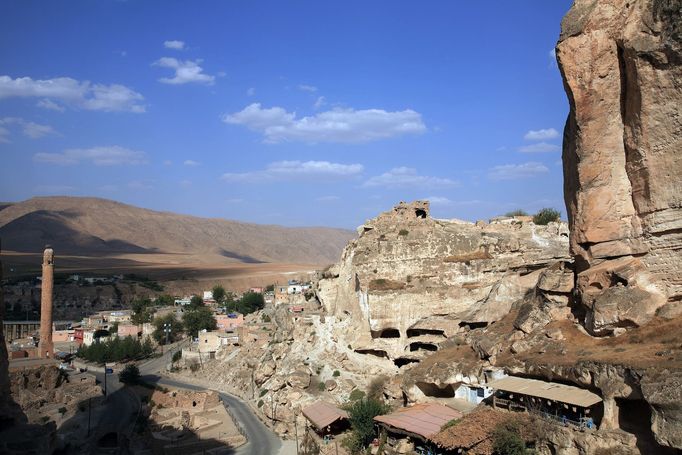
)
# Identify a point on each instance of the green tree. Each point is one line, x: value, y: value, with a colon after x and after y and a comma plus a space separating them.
x: 361, y: 415
x: 130, y: 374
x: 196, y: 301
x: 546, y: 216
x: 142, y: 311
x: 165, y: 300
x: 250, y: 303
x: 517, y: 212
x: 159, y: 333
x: 113, y: 328
x: 507, y: 439
x: 200, y: 318
x: 219, y: 294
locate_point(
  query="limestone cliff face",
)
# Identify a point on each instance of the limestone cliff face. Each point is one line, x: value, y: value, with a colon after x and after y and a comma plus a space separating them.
x: 621, y: 62
x: 409, y: 281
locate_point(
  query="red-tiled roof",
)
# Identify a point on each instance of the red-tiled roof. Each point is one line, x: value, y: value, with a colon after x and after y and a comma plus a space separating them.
x: 323, y: 414
x: 421, y: 419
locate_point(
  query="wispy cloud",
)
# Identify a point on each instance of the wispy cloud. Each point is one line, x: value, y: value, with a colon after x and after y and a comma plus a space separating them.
x: 174, y: 44
x: 29, y: 129
x: 191, y: 163
x: 517, y: 171
x: 250, y: 91
x: 307, y: 88
x: 337, y: 125
x: 541, y: 135
x: 113, y: 155
x: 319, y: 102
x: 186, y: 72
x: 540, y: 147
x: 294, y: 170
x: 50, y: 105
x: 79, y: 94
x: 140, y: 185
x: 408, y: 177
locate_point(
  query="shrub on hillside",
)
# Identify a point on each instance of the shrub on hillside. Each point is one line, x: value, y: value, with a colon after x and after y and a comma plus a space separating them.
x: 546, y: 216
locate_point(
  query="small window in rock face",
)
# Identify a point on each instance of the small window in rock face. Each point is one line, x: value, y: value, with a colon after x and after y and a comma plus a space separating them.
x: 420, y: 213
x: 194, y: 404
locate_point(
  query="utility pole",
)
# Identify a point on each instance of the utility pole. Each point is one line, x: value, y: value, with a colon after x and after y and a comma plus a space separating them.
x: 167, y: 330
x: 296, y: 432
x: 105, y: 379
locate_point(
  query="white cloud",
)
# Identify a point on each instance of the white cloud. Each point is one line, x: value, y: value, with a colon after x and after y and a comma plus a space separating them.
x: 187, y: 71
x: 337, y: 125
x: 29, y: 129
x: 320, y: 101
x: 191, y: 163
x: 174, y: 44
x: 408, y: 177
x: 541, y: 135
x: 292, y: 170
x: 49, y: 104
x: 236, y: 200
x: 80, y: 94
x: 99, y: 156
x: 167, y: 162
x: 185, y: 183
x: 517, y: 171
x: 540, y: 147
x: 307, y: 88
x: 250, y: 91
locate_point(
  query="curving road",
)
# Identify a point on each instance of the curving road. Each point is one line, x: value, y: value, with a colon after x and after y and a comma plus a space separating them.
x: 262, y: 441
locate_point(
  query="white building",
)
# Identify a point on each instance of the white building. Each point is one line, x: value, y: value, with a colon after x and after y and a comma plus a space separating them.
x: 208, y: 295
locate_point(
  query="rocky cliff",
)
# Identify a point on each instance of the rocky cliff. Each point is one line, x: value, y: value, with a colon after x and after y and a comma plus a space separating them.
x: 410, y: 281
x: 621, y: 62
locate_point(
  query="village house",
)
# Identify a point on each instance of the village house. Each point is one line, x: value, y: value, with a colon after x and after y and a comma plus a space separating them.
x: 416, y: 425
x: 256, y: 290
x: 326, y: 418
x: 294, y: 287
x: 210, y: 342
x: 229, y: 322
x: 132, y: 330
x: 564, y: 403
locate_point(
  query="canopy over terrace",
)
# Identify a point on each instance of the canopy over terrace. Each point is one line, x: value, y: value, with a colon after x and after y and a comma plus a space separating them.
x: 322, y: 414
x: 548, y: 390
x: 420, y: 420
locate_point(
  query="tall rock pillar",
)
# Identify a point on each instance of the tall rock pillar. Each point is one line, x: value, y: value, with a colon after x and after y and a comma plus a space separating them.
x: 621, y: 62
x: 46, y: 347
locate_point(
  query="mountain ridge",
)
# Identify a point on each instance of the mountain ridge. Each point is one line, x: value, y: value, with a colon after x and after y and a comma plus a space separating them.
x: 95, y: 226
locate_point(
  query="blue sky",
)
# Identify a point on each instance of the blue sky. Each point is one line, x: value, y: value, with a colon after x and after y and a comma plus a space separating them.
x: 293, y: 113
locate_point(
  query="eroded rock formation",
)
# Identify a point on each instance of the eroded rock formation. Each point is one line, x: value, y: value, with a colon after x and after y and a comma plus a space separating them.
x: 621, y: 62
x: 409, y: 281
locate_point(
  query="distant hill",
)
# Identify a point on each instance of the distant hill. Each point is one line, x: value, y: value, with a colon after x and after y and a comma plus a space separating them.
x: 99, y: 227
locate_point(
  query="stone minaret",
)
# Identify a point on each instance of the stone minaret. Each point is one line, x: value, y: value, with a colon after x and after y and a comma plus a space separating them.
x: 46, y: 347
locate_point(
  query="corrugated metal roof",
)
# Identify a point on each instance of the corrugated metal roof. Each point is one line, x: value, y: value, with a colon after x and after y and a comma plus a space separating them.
x: 548, y: 390
x: 422, y: 419
x: 323, y: 414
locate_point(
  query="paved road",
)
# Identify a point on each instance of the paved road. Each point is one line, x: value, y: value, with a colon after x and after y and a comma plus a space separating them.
x: 262, y: 441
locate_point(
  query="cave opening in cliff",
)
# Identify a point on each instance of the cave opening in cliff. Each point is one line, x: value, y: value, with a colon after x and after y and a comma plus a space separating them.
x: 386, y: 333
x: 421, y: 346
x: 419, y: 332
x: 375, y: 352
x: 474, y: 325
x: 402, y: 361
x: 431, y: 389
x: 634, y: 417
x: 420, y: 213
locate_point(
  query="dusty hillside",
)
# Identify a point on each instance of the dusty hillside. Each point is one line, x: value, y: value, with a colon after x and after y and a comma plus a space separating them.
x: 99, y: 227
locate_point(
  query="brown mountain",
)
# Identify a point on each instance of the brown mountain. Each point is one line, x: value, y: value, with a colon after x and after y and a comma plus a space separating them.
x: 95, y: 227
